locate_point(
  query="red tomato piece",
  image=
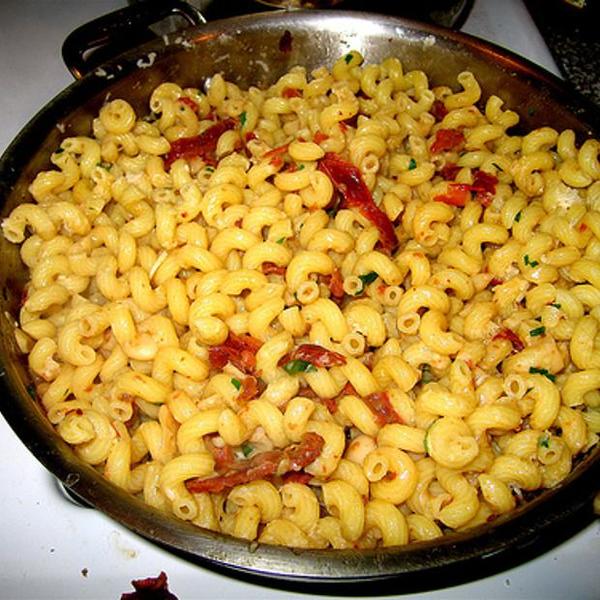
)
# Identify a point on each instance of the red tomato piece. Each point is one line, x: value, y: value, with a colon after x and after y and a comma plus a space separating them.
x: 290, y: 92
x: 269, y: 268
x: 189, y: 103
x: 347, y: 180
x: 315, y: 355
x: 379, y: 403
x: 512, y: 337
x: 455, y: 196
x: 438, y: 110
x: 447, y: 139
x: 202, y: 146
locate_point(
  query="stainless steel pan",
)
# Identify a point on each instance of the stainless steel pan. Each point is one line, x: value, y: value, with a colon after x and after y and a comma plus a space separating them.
x: 248, y: 50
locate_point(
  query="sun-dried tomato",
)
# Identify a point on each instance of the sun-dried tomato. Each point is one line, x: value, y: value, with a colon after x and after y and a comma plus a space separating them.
x: 449, y: 171
x: 199, y: 146
x: 269, y: 268
x: 249, y: 390
x: 455, y: 196
x: 290, y: 92
x: 320, y: 137
x: 239, y: 350
x: 380, y: 405
x: 224, y: 456
x: 263, y: 466
x: 297, y: 477
x: 447, y: 139
x: 189, y: 103
x: 438, y: 110
x: 348, y: 181
x: 315, y: 355
x: 302, y: 454
x: 512, y: 337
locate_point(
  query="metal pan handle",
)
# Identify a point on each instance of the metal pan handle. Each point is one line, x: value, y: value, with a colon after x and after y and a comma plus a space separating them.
x: 108, y: 36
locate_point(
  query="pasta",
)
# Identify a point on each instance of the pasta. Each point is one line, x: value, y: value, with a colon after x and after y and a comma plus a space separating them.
x: 350, y: 310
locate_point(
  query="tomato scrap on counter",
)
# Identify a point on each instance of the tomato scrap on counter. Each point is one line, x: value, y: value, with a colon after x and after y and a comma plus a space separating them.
x: 447, y: 139
x: 348, y: 181
x: 315, y: 355
x: 380, y: 405
x: 263, y: 466
x: 150, y: 588
x: 239, y: 350
x: 512, y: 337
x: 202, y: 146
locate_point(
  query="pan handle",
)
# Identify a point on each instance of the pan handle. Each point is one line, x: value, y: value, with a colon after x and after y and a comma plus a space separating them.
x: 105, y: 37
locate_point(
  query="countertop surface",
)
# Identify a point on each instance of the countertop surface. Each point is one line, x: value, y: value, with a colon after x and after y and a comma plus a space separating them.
x: 53, y: 549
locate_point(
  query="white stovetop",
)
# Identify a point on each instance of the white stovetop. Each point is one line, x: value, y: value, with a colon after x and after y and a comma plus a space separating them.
x: 54, y: 549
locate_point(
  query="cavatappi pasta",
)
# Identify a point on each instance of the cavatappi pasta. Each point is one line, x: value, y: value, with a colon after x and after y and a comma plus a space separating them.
x: 349, y: 310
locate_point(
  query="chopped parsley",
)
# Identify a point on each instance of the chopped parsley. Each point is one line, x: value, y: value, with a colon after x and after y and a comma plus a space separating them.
x: 236, y: 383
x: 104, y: 165
x: 298, y: 366
x: 246, y: 449
x: 530, y: 263
x: 366, y: 279
x: 518, y: 216
x: 280, y: 240
x: 412, y: 164
x: 59, y: 151
x: 537, y: 331
x: 209, y: 169
x: 243, y: 118
x: 555, y: 304
x: 300, y: 167
x: 544, y: 372
x: 544, y: 441
x: 348, y: 59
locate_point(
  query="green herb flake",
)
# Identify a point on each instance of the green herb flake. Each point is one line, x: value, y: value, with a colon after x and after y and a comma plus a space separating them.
x: 426, y: 374
x: 236, y: 383
x: 243, y: 118
x: 518, y: 216
x: 104, y: 165
x: 531, y: 111
x: 31, y: 391
x: 366, y: 279
x: 298, y: 366
x: 537, y: 331
x: 348, y: 59
x: 280, y: 240
x: 530, y: 263
x: 247, y: 450
x: 498, y: 167
x: 544, y: 372
x: 209, y: 169
x: 555, y: 305
x: 59, y: 151
x: 300, y: 167
x: 412, y: 164
x: 544, y: 441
